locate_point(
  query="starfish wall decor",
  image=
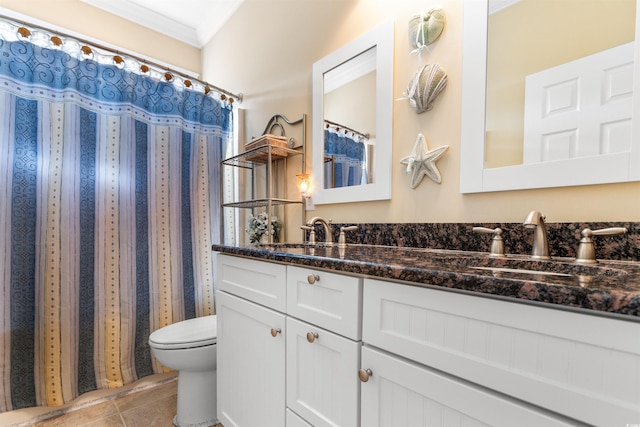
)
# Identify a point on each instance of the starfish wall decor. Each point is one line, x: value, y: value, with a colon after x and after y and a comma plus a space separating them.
x: 422, y: 161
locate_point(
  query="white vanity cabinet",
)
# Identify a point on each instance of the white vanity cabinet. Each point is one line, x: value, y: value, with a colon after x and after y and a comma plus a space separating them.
x: 301, y: 347
x: 499, y: 363
x: 288, y: 345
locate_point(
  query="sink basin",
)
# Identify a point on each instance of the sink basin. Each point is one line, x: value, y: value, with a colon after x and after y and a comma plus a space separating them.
x: 522, y: 271
x: 523, y: 266
x: 477, y: 263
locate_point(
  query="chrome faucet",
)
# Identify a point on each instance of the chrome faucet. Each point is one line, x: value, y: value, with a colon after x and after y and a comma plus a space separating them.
x: 535, y: 220
x: 327, y: 228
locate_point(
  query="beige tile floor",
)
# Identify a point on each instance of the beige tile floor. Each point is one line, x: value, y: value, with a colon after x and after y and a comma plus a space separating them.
x: 150, y: 402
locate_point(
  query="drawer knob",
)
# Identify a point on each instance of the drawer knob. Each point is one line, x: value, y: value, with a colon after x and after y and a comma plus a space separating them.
x: 365, y: 374
x: 275, y: 331
x: 312, y: 336
x: 313, y: 278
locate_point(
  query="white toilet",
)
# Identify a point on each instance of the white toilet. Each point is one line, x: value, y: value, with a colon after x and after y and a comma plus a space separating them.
x: 189, y: 347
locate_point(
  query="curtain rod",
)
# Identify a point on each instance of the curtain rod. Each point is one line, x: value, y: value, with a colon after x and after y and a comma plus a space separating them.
x: 111, y: 50
x: 339, y: 126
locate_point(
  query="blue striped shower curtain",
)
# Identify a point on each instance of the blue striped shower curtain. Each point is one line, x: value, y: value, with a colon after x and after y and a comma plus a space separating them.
x: 108, y: 208
x: 347, y: 159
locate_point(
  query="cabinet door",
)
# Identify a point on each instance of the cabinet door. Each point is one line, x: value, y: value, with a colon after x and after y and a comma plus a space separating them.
x: 251, y: 382
x: 402, y: 393
x: 322, y: 381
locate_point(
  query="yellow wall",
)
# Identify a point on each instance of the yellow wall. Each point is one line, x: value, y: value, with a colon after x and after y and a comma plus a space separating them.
x: 99, y: 25
x: 267, y: 50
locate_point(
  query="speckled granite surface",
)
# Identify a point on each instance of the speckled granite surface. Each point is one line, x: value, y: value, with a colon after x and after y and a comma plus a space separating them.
x: 563, y: 237
x: 414, y: 253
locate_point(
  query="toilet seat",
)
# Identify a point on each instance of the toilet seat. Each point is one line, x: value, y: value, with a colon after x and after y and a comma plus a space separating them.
x: 191, y: 333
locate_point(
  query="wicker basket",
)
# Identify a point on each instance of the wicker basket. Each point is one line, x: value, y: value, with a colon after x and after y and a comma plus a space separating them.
x: 277, y: 144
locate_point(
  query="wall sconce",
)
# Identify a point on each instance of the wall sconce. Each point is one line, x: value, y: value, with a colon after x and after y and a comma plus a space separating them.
x: 304, y: 185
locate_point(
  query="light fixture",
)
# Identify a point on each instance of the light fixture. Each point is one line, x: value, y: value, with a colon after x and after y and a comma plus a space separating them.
x: 304, y: 185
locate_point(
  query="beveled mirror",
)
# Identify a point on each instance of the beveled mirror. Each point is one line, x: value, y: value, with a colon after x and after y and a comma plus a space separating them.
x: 534, y: 116
x: 352, y: 120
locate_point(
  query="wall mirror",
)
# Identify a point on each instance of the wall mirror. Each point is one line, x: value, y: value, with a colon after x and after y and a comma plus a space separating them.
x: 352, y: 120
x: 534, y: 116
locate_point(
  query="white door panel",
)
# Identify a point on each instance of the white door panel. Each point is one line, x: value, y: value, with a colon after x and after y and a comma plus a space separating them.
x: 581, y: 108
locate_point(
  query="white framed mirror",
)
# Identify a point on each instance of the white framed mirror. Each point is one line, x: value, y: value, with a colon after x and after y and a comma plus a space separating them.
x: 548, y: 156
x: 352, y: 120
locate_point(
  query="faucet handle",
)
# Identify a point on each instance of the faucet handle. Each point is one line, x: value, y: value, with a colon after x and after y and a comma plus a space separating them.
x: 312, y: 233
x: 586, y: 253
x: 342, y: 240
x: 497, y: 244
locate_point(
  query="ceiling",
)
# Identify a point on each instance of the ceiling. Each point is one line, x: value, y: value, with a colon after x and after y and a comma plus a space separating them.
x: 190, y: 21
x: 193, y: 21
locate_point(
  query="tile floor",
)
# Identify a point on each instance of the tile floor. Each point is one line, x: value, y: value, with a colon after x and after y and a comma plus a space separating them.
x: 151, y: 402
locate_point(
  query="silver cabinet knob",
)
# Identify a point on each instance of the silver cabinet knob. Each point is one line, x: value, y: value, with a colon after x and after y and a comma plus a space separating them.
x: 312, y: 336
x: 275, y: 331
x: 365, y: 374
x: 313, y: 278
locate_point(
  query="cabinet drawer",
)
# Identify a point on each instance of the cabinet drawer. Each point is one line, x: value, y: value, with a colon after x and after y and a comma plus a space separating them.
x: 583, y: 366
x: 258, y: 281
x: 331, y: 301
x: 322, y: 380
x: 402, y: 393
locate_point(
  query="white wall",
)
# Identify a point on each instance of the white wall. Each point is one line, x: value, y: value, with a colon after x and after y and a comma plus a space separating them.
x: 267, y: 49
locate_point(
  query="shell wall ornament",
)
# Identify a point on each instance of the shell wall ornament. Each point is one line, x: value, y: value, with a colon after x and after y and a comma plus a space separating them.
x: 425, y: 86
x: 426, y: 28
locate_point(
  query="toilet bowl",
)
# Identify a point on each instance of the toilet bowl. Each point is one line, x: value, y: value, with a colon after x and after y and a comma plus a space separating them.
x: 189, y: 347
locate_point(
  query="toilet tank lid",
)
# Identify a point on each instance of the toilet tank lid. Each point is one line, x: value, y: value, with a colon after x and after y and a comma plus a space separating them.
x: 192, y: 331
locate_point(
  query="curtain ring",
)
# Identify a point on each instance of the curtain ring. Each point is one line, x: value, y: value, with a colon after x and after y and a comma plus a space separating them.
x: 86, y: 51
x: 56, y: 41
x: 24, y: 33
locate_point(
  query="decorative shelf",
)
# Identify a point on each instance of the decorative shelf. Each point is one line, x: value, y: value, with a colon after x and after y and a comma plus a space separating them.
x: 261, y: 203
x: 260, y: 155
x: 265, y: 161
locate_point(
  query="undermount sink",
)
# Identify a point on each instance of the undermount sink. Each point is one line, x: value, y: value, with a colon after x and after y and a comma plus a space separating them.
x: 522, y: 271
x: 480, y: 263
x: 523, y: 265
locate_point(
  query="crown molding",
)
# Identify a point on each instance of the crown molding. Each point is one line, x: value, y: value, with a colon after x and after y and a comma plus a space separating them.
x: 149, y: 18
x: 498, y: 5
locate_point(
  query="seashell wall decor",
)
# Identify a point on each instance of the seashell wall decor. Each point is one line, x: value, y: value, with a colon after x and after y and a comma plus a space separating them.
x: 424, y: 87
x: 426, y: 28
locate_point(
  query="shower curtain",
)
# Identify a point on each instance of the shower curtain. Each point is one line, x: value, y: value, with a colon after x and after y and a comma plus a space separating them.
x: 347, y: 154
x: 108, y: 208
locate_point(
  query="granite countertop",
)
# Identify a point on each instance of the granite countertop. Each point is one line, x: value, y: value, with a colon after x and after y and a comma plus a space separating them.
x: 611, y: 287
